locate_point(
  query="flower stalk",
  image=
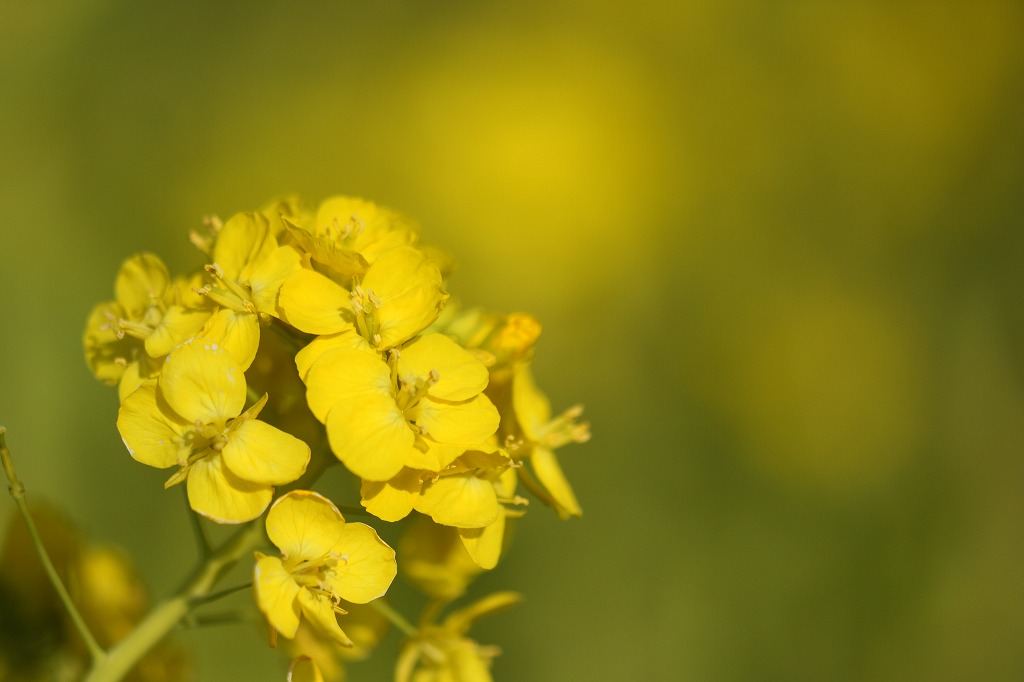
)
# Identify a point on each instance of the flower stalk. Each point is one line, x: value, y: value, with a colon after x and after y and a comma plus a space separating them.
x: 17, y: 490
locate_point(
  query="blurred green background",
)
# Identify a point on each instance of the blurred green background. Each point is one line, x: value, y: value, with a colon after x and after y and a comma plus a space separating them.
x: 776, y: 248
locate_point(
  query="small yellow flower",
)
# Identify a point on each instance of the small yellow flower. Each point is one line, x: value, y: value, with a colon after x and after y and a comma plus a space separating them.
x: 541, y: 435
x: 399, y: 296
x: 422, y: 409
x: 190, y: 418
x: 348, y: 234
x: 248, y: 269
x: 323, y: 560
x: 443, y: 653
x: 124, y: 338
x: 435, y: 560
x: 470, y: 494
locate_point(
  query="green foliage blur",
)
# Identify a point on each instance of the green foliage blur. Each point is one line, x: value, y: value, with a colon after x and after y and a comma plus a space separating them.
x: 776, y: 248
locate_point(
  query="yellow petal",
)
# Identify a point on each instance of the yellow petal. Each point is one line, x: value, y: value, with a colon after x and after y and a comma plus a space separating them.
x: 370, y: 436
x: 306, y: 357
x: 304, y: 669
x: 102, y: 347
x: 461, y: 374
x: 549, y: 473
x: 375, y: 229
x: 304, y: 524
x: 367, y: 566
x: 323, y: 249
x: 319, y: 610
x: 144, y: 370
x: 220, y: 496
x: 461, y: 620
x: 177, y: 326
x: 269, y: 274
x: 532, y: 408
x: 261, y: 453
x: 408, y: 286
x: 203, y: 382
x: 245, y: 239
x: 345, y: 374
x: 238, y: 332
x: 462, y: 500
x: 484, y: 544
x: 465, y: 423
x: 153, y: 436
x: 315, y: 304
x: 141, y: 282
x: 391, y: 500
x: 276, y: 595
x: 434, y: 457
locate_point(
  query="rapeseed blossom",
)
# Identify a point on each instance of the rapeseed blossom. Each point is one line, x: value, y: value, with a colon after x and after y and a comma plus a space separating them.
x: 323, y: 561
x: 335, y: 327
x: 191, y: 417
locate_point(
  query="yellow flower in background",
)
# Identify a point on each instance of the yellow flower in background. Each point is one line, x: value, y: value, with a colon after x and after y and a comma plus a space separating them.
x: 421, y: 410
x: 364, y: 625
x: 304, y: 669
x: 435, y: 560
x: 541, y: 435
x: 443, y: 653
x: 124, y: 338
x: 323, y: 560
x: 191, y: 417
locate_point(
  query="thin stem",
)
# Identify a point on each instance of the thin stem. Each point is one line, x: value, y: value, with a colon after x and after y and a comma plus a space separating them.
x: 17, y: 491
x: 197, y: 621
x: 167, y: 614
x: 399, y: 621
x: 202, y: 540
x: 206, y: 599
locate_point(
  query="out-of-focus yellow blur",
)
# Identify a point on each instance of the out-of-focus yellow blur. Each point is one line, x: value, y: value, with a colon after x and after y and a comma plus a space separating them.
x: 776, y: 248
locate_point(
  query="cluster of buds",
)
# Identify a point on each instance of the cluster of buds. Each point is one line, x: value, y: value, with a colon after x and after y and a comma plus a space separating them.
x: 310, y: 338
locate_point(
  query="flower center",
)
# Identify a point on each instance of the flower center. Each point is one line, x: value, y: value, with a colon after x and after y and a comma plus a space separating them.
x: 366, y: 306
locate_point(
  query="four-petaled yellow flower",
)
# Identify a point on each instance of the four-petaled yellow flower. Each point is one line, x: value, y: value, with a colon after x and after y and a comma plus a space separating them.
x: 421, y: 409
x: 540, y: 435
x: 323, y: 560
x: 190, y: 418
x: 248, y: 269
x: 125, y: 338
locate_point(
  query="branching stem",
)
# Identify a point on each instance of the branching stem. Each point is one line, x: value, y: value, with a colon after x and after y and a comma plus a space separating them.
x: 17, y: 491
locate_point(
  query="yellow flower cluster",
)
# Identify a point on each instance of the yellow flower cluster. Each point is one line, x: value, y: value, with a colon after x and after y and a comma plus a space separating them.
x: 333, y: 328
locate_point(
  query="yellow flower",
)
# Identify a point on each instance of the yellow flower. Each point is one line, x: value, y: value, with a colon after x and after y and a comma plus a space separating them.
x: 190, y: 418
x: 323, y: 560
x: 348, y: 234
x: 435, y: 560
x: 248, y: 269
x: 364, y: 625
x: 398, y: 297
x: 443, y: 653
x: 470, y: 494
x: 421, y: 409
x: 124, y: 337
x: 540, y: 435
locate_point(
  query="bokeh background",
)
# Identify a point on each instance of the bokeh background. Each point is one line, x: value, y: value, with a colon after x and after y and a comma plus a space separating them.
x: 776, y: 248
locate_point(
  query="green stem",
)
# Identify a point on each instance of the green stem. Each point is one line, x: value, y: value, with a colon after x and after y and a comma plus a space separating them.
x: 200, y: 601
x: 166, y: 615
x: 198, y: 531
x: 17, y: 491
x: 399, y: 621
x: 197, y: 590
